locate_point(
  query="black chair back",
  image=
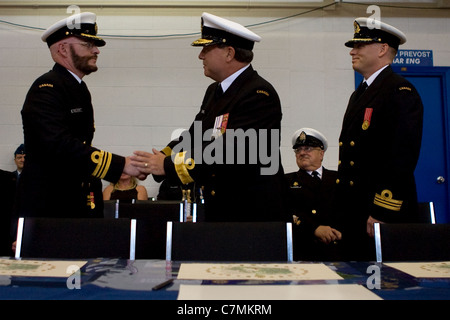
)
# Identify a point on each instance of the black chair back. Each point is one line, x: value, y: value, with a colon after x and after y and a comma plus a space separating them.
x: 412, y: 242
x: 229, y: 241
x: 426, y: 212
x: 75, y: 238
x: 151, y: 217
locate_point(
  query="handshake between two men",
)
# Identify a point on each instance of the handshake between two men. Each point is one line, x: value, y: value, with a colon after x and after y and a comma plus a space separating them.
x: 142, y: 163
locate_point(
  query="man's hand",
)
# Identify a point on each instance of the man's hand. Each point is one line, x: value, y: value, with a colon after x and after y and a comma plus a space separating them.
x: 326, y: 234
x: 132, y: 170
x: 370, y: 222
x: 149, y: 163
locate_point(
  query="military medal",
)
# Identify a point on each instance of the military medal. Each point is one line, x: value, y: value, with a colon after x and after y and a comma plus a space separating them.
x: 367, y: 117
x: 90, y: 201
x: 220, y: 125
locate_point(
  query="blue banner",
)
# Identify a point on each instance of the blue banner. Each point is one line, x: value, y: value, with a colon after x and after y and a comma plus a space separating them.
x: 422, y: 58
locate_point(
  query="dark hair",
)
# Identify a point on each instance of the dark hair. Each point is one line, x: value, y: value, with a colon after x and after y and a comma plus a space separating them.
x: 241, y: 55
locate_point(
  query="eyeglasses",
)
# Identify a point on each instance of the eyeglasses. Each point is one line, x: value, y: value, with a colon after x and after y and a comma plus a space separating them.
x: 88, y: 45
x: 305, y: 149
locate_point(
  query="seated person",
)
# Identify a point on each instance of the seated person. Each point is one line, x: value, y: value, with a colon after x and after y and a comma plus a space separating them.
x: 311, y: 191
x: 125, y: 190
x: 168, y: 191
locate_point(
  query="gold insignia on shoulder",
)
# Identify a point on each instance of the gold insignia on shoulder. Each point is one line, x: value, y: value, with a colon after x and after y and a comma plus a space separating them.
x: 263, y: 92
x: 405, y: 88
x: 46, y: 85
x: 385, y: 200
x: 296, y: 220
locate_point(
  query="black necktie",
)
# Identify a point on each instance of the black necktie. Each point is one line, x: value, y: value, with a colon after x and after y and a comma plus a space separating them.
x: 83, y: 85
x: 85, y: 90
x: 360, y: 90
x: 315, y: 175
x: 218, y: 92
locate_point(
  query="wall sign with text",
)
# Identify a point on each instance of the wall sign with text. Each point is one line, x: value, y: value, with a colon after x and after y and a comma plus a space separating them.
x: 422, y: 58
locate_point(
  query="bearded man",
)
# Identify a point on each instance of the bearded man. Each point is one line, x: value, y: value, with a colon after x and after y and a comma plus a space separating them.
x: 63, y: 172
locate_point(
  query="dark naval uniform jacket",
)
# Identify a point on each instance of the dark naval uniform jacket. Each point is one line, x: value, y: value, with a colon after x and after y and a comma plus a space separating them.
x: 379, y: 147
x: 62, y: 172
x: 8, y: 181
x: 311, y: 201
x: 231, y: 171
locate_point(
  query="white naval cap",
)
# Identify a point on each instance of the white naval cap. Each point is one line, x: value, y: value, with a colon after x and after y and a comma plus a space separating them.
x: 309, y: 137
x: 217, y: 30
x: 371, y: 30
x: 82, y: 25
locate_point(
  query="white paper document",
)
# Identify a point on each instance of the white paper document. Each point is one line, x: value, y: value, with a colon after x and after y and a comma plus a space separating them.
x: 276, y: 292
x: 423, y: 269
x: 256, y: 271
x: 39, y: 268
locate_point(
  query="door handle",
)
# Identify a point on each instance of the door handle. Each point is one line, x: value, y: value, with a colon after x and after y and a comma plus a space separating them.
x: 440, y: 179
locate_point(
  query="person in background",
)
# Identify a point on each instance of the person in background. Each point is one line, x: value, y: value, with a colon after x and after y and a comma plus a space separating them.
x: 19, y: 160
x: 311, y: 192
x: 8, y: 189
x: 61, y: 177
x: 379, y: 143
x: 126, y: 189
x: 169, y: 192
x: 238, y: 184
x: 174, y: 190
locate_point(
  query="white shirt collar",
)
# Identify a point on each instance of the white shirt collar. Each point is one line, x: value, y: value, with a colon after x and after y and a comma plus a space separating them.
x: 225, y: 84
x: 76, y: 77
x: 374, y: 75
x: 319, y: 171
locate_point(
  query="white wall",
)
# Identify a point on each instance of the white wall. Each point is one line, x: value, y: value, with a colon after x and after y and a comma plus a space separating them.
x: 145, y: 88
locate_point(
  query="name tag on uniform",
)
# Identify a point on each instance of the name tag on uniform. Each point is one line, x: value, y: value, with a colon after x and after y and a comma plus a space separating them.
x: 76, y: 110
x: 295, y: 185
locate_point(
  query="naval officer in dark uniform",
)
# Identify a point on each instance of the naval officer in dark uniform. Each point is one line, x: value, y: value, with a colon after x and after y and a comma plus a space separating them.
x: 311, y: 192
x: 61, y: 177
x: 240, y: 182
x: 19, y: 160
x: 8, y: 188
x: 379, y: 143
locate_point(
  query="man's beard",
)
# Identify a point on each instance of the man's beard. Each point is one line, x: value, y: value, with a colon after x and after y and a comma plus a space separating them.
x: 82, y: 63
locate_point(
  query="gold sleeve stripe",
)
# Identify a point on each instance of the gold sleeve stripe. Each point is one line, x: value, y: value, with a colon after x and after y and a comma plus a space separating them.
x: 167, y: 151
x: 385, y: 200
x: 182, y: 169
x: 103, y: 161
x: 106, y: 165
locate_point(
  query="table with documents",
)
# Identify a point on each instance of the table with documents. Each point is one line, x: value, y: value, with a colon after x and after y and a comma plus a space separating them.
x: 113, y: 279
